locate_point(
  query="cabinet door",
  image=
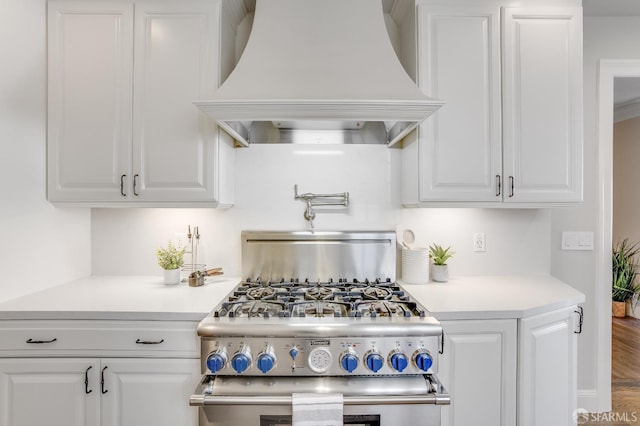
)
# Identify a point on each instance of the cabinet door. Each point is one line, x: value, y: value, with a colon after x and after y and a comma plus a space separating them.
x: 174, y: 144
x: 149, y: 392
x: 547, y: 386
x: 478, y: 368
x: 41, y: 391
x: 459, y: 62
x: 90, y: 50
x: 542, y: 104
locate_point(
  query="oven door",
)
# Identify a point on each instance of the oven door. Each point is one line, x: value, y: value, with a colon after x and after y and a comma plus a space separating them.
x: 368, y: 400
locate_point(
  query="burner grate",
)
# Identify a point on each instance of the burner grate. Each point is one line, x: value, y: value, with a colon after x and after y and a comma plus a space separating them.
x: 306, y: 298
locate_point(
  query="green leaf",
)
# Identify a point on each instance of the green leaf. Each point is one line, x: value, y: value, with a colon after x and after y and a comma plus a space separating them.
x: 440, y: 255
x: 624, y: 271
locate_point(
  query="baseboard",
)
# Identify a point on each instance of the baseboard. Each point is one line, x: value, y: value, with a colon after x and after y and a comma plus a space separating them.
x: 588, y: 399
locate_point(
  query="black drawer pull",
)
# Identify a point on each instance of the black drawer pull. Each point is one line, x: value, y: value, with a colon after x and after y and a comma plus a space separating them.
x: 42, y: 341
x: 124, y: 194
x: 149, y: 342
x: 102, y: 389
x: 86, y: 381
x: 580, y: 313
x: 135, y: 185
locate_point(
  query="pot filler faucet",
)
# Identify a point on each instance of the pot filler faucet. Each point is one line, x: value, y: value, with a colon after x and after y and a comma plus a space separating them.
x: 314, y: 200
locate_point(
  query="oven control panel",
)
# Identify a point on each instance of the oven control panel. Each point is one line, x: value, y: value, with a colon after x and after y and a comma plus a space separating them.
x: 312, y: 356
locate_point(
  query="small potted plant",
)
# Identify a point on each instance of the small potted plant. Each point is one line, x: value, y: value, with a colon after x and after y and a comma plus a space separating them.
x: 439, y: 267
x: 624, y: 274
x: 171, y: 259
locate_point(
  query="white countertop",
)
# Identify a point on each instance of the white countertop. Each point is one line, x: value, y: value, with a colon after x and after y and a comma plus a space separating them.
x: 147, y: 298
x: 121, y: 298
x: 494, y: 297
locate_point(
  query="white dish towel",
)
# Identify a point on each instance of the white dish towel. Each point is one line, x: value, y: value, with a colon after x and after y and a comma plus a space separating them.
x: 317, y: 409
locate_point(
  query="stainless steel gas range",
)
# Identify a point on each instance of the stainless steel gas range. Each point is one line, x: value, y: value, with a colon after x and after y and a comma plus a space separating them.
x: 319, y: 313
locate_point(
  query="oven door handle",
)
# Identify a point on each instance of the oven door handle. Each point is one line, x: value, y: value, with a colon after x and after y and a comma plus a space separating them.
x: 437, y: 395
x: 204, y: 400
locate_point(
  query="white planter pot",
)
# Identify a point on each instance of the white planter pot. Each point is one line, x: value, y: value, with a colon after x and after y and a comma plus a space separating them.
x: 440, y: 273
x: 172, y: 276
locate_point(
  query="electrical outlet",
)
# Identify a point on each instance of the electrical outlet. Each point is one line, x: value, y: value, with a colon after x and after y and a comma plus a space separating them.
x: 479, y: 242
x: 180, y: 240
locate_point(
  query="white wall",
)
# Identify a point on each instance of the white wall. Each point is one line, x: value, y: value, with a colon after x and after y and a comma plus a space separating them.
x: 626, y: 175
x: 604, y: 38
x: 124, y: 240
x: 40, y: 245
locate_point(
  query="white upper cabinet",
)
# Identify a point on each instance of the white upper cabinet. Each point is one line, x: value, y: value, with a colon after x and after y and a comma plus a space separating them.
x: 123, y: 129
x: 459, y: 62
x: 90, y: 63
x: 510, y: 129
x: 542, y: 104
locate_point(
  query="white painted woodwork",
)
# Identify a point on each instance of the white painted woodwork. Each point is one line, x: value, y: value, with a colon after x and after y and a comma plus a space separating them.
x: 511, y: 127
x: 175, y: 63
x: 459, y: 61
x: 145, y: 384
x: 542, y: 104
x: 294, y: 69
x: 90, y: 51
x: 149, y: 392
x: 547, y: 368
x: 478, y: 368
x: 137, y: 391
x: 132, y: 99
x: 49, y: 391
x: 97, y: 337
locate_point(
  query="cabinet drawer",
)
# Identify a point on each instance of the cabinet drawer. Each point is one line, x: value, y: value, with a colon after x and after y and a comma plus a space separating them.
x: 176, y: 339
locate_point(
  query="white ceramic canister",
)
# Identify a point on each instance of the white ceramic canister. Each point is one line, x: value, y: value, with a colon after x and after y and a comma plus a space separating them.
x: 415, y: 265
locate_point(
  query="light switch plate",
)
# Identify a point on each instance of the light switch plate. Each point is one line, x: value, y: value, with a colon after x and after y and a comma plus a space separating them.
x: 577, y: 240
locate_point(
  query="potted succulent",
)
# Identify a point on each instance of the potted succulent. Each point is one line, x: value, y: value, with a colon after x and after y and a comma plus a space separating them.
x: 624, y: 271
x: 170, y: 259
x: 439, y: 267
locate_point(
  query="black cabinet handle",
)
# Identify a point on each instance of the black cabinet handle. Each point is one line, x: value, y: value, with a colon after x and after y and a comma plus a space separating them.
x: 124, y: 194
x: 135, y: 184
x: 41, y: 341
x: 498, y: 185
x: 86, y: 381
x: 580, y: 312
x: 102, y: 389
x: 511, y: 184
x: 149, y: 342
x: 441, y: 350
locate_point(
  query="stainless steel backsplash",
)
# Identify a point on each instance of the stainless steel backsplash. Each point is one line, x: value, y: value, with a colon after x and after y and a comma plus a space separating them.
x: 319, y: 255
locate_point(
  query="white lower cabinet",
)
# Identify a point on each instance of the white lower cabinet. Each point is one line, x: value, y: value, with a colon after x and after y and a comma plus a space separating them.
x: 36, y: 391
x: 478, y: 368
x: 88, y: 392
x: 148, y: 391
x: 547, y: 384
x: 511, y: 371
x: 98, y: 373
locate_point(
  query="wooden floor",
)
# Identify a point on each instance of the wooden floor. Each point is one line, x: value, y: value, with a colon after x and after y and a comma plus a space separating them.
x: 625, y: 373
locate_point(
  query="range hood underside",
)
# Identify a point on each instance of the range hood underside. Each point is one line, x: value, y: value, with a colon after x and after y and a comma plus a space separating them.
x: 318, y: 121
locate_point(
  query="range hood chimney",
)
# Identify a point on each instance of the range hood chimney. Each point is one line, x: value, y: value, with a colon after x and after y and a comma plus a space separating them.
x: 319, y: 71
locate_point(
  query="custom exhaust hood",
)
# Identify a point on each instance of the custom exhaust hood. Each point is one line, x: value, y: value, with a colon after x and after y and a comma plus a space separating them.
x: 319, y: 71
